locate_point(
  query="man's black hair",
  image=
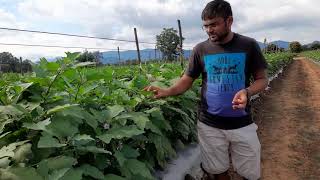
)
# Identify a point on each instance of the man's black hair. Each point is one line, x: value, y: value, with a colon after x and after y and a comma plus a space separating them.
x: 216, y: 8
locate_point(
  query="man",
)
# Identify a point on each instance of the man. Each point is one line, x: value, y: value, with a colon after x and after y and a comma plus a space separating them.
x: 226, y: 61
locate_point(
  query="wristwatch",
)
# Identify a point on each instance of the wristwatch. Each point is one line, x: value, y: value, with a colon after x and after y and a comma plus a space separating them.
x: 248, y: 94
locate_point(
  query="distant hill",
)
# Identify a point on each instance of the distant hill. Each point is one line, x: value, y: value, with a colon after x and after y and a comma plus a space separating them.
x: 279, y: 43
x: 310, y: 44
x: 111, y: 57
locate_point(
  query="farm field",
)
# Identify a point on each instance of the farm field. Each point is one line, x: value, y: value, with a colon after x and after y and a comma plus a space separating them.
x: 69, y: 120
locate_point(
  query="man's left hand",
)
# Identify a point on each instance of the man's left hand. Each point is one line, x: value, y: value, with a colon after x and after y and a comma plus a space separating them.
x: 240, y: 100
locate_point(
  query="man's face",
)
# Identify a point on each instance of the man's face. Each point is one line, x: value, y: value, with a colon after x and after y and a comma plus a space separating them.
x: 217, y: 28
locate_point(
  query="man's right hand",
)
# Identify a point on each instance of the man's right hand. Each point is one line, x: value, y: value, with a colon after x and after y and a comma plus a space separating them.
x: 158, y: 92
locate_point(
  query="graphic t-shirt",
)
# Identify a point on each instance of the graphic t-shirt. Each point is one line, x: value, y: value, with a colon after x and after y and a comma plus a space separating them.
x: 225, y: 70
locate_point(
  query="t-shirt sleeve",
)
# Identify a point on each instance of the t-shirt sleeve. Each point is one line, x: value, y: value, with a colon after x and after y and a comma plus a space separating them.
x: 194, y: 68
x: 257, y: 59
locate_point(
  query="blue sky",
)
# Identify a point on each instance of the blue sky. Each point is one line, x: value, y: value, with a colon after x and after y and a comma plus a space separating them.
x: 286, y: 20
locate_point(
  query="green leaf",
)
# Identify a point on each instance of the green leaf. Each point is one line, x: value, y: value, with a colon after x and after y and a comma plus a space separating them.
x: 47, y: 141
x: 60, y: 162
x: 22, y: 152
x: 137, y: 167
x: 90, y: 120
x: 82, y: 139
x: 139, y: 118
x: 84, y: 64
x: 4, y: 134
x: 163, y: 147
x: 62, y: 127
x: 113, y: 177
x: 10, y: 110
x: 92, y: 171
x: 4, y: 162
x: 8, y: 151
x: 119, y: 133
x: 129, y: 152
x: 60, y: 108
x: 94, y: 75
x: 57, y: 174
x: 153, y: 128
x: 93, y: 149
x: 73, y: 174
x: 52, y: 66
x: 25, y: 174
x: 115, y: 110
x: 120, y: 158
x: 158, y: 119
x: 41, y: 126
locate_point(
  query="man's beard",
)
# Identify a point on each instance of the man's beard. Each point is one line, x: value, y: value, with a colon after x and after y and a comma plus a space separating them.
x: 218, y: 37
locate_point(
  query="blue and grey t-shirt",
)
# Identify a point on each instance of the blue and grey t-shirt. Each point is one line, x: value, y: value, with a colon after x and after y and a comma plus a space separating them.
x: 225, y: 70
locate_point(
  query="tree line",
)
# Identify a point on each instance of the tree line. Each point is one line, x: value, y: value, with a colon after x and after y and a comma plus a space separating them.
x: 10, y: 63
x: 167, y: 42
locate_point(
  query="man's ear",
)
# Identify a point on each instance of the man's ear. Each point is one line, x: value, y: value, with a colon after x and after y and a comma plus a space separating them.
x: 229, y: 21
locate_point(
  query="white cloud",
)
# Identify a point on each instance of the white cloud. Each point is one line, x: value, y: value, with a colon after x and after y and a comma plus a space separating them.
x: 286, y: 20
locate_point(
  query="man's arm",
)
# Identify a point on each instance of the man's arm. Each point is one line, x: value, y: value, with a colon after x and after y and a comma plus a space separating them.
x: 181, y: 86
x: 260, y: 83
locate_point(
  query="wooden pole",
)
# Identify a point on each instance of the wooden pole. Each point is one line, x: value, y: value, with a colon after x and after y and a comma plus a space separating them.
x: 155, y: 52
x: 119, y: 55
x: 180, y: 44
x: 137, y: 44
x: 21, y: 66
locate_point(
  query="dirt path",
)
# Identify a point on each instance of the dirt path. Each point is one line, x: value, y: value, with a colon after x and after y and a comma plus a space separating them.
x: 288, y: 117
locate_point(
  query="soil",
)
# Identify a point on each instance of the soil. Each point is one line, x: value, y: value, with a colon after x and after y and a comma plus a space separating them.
x: 288, y: 117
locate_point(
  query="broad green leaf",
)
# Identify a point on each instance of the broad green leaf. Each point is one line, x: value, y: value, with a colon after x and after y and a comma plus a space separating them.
x: 4, y: 134
x: 94, y: 75
x: 139, y: 82
x: 60, y: 108
x: 47, y: 141
x: 120, y: 158
x: 41, y: 126
x: 10, y: 110
x: 62, y: 127
x: 3, y: 123
x: 82, y: 139
x: 163, y: 147
x: 158, y: 119
x: 88, y: 88
x: 158, y: 84
x: 60, y: 162
x: 153, y: 128
x: 137, y: 167
x: 129, y: 152
x: 25, y: 174
x: 30, y: 106
x: 52, y: 66
x: 84, y: 64
x: 113, y: 177
x: 90, y: 120
x: 92, y: 171
x: 22, y: 152
x: 115, y: 110
x: 4, y: 162
x: 72, y: 174
x: 139, y: 118
x: 8, y: 151
x: 119, y: 133
x: 92, y: 149
x: 57, y: 174
x: 108, y: 74
x: 20, y: 88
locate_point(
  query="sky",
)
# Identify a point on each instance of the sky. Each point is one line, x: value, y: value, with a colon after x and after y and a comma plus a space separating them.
x: 288, y: 20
